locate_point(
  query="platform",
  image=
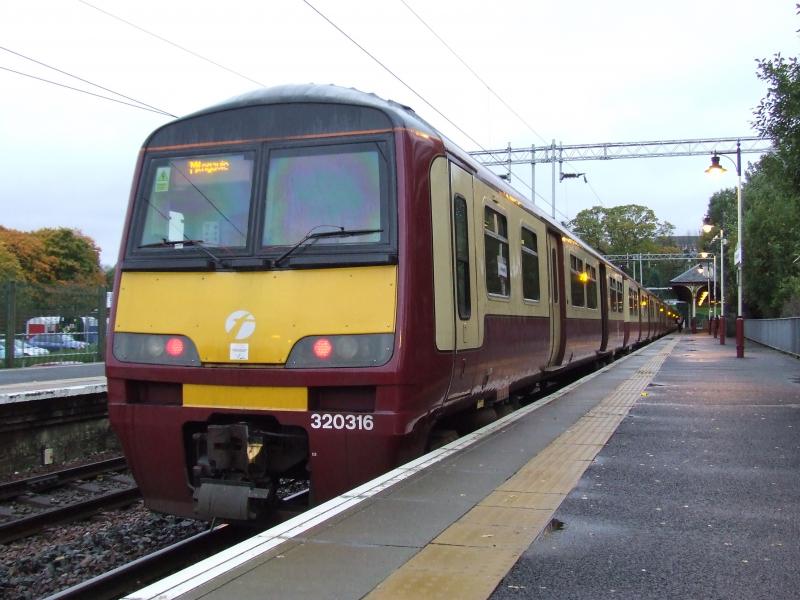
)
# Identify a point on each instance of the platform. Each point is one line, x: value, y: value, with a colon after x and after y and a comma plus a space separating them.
x: 670, y: 474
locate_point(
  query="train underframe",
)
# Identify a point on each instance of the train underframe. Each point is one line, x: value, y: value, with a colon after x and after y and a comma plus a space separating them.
x: 239, y: 466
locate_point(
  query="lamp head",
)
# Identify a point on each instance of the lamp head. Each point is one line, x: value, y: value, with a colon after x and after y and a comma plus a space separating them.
x: 715, y: 168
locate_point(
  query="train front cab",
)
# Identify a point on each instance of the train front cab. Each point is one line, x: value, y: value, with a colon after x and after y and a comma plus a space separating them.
x: 259, y: 332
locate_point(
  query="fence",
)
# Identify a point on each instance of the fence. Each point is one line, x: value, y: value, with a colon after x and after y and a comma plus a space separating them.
x: 781, y: 334
x: 51, y: 324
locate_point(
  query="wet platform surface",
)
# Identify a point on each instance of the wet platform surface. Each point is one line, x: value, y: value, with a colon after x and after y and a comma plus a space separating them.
x: 696, y: 495
x: 674, y: 473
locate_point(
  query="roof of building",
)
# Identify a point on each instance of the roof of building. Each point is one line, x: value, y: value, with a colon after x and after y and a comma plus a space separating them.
x: 696, y: 275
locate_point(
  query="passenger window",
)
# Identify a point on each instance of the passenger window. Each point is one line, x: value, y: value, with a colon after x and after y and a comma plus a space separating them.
x: 496, y: 242
x: 616, y: 295
x: 461, y: 227
x: 591, y: 287
x: 577, y: 281
x: 530, y: 266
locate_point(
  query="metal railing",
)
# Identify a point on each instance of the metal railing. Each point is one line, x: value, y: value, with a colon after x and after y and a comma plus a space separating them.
x: 51, y: 324
x: 781, y: 334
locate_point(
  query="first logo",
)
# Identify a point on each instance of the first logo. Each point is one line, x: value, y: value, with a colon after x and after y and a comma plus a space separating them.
x: 241, y: 324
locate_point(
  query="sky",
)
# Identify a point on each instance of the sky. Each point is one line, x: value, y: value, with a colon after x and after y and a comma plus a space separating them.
x: 575, y: 71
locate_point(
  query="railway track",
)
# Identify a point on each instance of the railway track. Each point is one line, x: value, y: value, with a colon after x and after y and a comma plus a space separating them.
x: 151, y: 567
x: 171, y: 559
x: 29, y: 505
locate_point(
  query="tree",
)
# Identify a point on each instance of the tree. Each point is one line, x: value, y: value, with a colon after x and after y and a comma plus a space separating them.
x: 76, y: 258
x: 629, y: 229
x: 10, y: 269
x: 31, y: 255
x: 771, y: 241
x: 109, y: 277
x: 772, y: 196
x: 622, y: 229
x: 778, y: 113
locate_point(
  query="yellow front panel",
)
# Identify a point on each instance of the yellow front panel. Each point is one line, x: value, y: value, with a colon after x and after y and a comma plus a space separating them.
x: 262, y: 398
x: 256, y: 317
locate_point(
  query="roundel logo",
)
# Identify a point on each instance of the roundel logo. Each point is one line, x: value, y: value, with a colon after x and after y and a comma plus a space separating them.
x: 241, y: 324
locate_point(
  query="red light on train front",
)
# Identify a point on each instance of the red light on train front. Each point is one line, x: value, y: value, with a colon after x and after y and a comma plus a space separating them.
x: 322, y: 348
x: 174, y: 346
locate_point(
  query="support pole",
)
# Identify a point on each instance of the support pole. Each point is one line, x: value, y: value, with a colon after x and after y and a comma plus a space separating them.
x: 740, y: 244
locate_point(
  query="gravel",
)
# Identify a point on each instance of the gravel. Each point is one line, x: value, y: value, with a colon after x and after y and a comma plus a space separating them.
x: 66, y: 555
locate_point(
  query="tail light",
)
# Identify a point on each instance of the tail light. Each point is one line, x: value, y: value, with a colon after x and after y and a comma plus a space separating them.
x: 368, y: 350
x: 155, y: 349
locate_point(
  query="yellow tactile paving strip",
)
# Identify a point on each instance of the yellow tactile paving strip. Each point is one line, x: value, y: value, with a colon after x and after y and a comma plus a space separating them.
x: 469, y: 558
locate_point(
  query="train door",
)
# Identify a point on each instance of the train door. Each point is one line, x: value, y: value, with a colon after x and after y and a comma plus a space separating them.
x: 454, y: 266
x: 604, y: 304
x: 467, y: 320
x: 557, y: 306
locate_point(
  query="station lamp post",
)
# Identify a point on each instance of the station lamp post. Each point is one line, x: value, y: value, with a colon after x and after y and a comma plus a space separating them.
x: 716, y: 168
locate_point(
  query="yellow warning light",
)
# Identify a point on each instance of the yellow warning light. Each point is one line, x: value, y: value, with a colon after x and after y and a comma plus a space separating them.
x: 583, y: 277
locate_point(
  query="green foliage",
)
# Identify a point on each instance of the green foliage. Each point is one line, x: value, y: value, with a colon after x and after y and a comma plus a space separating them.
x: 76, y: 258
x: 10, y: 269
x: 771, y: 201
x: 630, y: 229
x: 108, y: 275
x: 771, y: 242
x: 622, y: 229
x: 778, y: 113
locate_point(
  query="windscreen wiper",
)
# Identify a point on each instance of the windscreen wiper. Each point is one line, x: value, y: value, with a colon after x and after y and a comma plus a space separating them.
x: 341, y: 232
x: 165, y: 243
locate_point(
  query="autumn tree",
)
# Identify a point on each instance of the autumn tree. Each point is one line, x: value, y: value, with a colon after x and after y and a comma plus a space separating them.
x: 35, y: 264
x: 48, y: 256
x: 76, y: 258
x: 10, y: 269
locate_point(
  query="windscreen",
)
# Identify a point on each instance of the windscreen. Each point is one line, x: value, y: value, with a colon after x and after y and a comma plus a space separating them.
x: 202, y: 199
x: 319, y: 189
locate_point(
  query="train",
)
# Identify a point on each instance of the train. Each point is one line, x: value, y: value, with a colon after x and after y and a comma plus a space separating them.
x: 315, y: 286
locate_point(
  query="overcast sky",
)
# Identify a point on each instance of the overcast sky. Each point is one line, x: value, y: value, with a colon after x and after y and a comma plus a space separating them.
x: 577, y: 71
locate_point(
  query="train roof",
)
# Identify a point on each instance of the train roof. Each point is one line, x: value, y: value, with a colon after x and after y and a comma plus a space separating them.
x: 400, y: 115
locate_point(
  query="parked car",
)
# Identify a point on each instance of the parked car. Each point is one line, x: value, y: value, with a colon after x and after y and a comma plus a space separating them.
x: 56, y: 341
x: 22, y: 348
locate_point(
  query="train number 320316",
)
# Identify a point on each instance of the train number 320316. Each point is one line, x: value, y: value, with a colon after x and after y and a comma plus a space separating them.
x: 352, y: 422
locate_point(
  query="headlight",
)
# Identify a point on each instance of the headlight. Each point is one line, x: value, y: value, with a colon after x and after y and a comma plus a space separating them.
x: 155, y: 349
x: 324, y: 351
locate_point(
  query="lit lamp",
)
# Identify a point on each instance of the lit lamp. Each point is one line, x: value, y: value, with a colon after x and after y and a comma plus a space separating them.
x: 716, y: 168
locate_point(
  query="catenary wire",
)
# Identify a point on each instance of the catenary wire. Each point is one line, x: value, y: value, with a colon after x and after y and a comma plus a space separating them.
x: 471, y: 70
x: 171, y: 43
x: 105, y: 89
x: 413, y: 91
x: 216, y: 64
x: 69, y: 87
